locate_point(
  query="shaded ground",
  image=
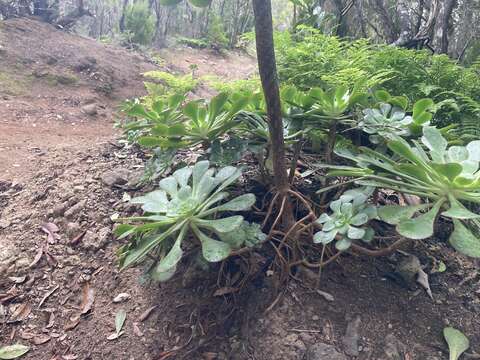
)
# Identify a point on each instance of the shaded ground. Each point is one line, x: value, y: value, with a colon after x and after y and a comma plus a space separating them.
x: 59, y: 165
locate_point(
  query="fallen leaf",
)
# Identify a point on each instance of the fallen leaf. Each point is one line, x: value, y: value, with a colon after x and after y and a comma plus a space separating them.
x: 18, y: 280
x: 120, y: 320
x: 114, y: 336
x: 37, y: 257
x: 50, y: 229
x: 72, y: 324
x: 20, y: 313
x: 69, y: 357
x: 147, y: 313
x: 136, y: 330
x: 47, y: 295
x: 26, y: 335
x: 325, y: 295
x: 422, y: 279
x: 88, y: 298
x: 121, y: 297
x: 225, y: 291
x: 41, y: 339
x: 77, y: 238
x: 13, y: 351
x: 51, y: 320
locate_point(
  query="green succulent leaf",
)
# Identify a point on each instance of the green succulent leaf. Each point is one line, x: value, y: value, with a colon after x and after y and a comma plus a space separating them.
x: 224, y: 225
x: 458, y: 211
x: 324, y: 237
x: 355, y: 233
x: 213, y: 250
x: 457, y: 342
x: 394, y: 214
x: 464, y: 241
x: 13, y: 351
x: 240, y: 203
x: 420, y: 227
x: 343, y: 244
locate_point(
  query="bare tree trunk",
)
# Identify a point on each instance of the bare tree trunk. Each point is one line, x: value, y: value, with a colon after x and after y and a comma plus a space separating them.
x: 444, y: 25
x: 262, y: 10
x: 122, y: 18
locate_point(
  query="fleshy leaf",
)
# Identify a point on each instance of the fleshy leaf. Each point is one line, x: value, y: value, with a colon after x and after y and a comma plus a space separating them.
x: 457, y: 342
x: 420, y: 227
x: 355, y: 233
x: 433, y: 139
x: 153, y: 202
x: 323, y: 237
x: 241, y: 203
x: 393, y: 214
x: 458, y: 211
x: 170, y: 185
x: 343, y: 244
x: 464, y: 241
x: 221, y: 225
x: 213, y: 250
x: 13, y: 351
x: 183, y: 175
x: 474, y: 150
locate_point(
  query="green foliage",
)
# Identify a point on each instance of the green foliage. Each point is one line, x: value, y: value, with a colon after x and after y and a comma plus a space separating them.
x: 189, y: 203
x: 193, y: 43
x: 199, y: 123
x: 13, y: 351
x: 216, y: 35
x: 348, y: 220
x: 457, y: 342
x: 140, y: 22
x: 172, y: 84
x: 236, y: 86
x: 447, y: 176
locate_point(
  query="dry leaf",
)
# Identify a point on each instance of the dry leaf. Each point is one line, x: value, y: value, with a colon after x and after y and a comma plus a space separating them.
x: 325, y: 295
x: 69, y: 357
x: 37, y: 257
x: 88, y: 298
x: 147, y: 313
x: 50, y: 229
x: 77, y: 238
x: 47, y: 295
x: 41, y: 339
x: 225, y: 291
x: 26, y: 335
x: 51, y: 320
x: 20, y: 313
x: 136, y: 330
x: 72, y: 324
x: 422, y: 279
x: 18, y: 280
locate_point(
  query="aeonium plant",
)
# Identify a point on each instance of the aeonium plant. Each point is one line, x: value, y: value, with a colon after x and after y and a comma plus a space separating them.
x: 448, y: 178
x: 348, y: 220
x: 190, y: 205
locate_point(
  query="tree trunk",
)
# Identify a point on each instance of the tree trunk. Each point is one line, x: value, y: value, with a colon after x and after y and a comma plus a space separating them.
x: 40, y: 8
x: 262, y: 10
x: 445, y: 24
x: 122, y: 18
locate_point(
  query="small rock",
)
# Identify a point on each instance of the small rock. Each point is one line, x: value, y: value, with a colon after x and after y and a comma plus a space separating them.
x: 96, y: 241
x: 116, y: 177
x: 75, y: 209
x: 321, y: 351
x: 59, y: 209
x: 5, y: 185
x: 90, y: 109
x: 4, y: 223
x: 72, y: 230
x: 121, y: 297
x: 350, y: 340
x: 394, y: 349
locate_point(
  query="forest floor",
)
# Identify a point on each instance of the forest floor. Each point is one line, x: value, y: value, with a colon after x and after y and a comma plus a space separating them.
x: 63, y: 170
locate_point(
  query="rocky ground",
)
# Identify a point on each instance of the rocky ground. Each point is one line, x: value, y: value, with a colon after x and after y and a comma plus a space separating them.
x: 63, y: 175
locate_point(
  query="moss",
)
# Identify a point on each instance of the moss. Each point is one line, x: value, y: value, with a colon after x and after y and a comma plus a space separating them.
x: 13, y: 85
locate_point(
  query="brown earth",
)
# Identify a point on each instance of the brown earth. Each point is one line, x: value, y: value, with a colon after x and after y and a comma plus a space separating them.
x: 55, y: 166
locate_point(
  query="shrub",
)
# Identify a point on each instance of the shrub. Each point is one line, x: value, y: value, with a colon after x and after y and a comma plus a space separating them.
x: 140, y: 23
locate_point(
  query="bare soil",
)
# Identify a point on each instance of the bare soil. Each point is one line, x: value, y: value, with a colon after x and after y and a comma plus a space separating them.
x: 57, y: 292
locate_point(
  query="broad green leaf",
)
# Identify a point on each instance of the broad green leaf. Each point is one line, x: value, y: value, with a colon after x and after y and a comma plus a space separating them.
x: 170, y: 2
x: 174, y: 255
x: 200, y: 3
x: 457, y: 153
x: 457, y: 342
x: 420, y: 227
x: 177, y: 130
x: 458, y: 211
x: 324, y: 237
x: 120, y: 320
x: 150, y: 141
x: 221, y: 225
x: 213, y: 250
x: 162, y: 276
x: 152, y: 202
x: 464, y: 241
x: 355, y: 233
x: 382, y: 95
x: 474, y: 150
x: 199, y: 170
x: 421, y: 106
x: 170, y: 185
x: 159, y: 130
x: 393, y: 214
x: 432, y: 138
x: 450, y: 170
x: 399, y: 101
x: 13, y: 351
x: 241, y: 203
x: 183, y: 175
x: 217, y: 103
x: 343, y: 244
x: 402, y: 148
x: 359, y: 219
x: 225, y: 172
